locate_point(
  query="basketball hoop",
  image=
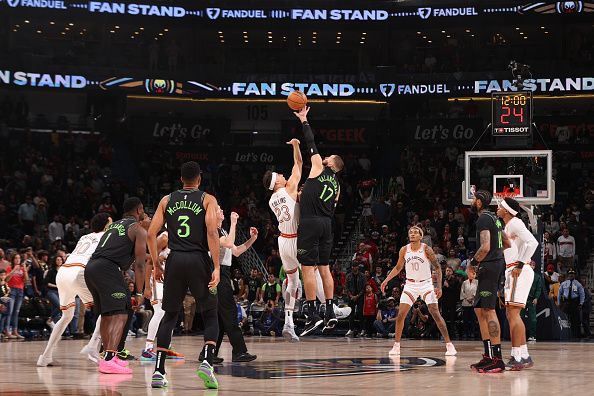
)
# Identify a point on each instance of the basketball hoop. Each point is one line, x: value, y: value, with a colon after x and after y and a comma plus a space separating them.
x: 500, y: 196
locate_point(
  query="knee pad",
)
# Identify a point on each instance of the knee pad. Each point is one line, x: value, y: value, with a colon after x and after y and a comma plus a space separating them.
x: 68, y: 314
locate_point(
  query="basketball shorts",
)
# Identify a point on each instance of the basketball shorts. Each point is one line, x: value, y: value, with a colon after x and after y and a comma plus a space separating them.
x: 287, y: 247
x: 71, y: 283
x: 314, y: 241
x: 490, y: 274
x: 516, y: 290
x: 412, y: 291
x: 185, y: 270
x: 107, y: 286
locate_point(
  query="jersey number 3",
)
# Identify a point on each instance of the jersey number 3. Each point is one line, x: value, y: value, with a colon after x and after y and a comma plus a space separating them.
x: 184, y: 229
x: 282, y: 213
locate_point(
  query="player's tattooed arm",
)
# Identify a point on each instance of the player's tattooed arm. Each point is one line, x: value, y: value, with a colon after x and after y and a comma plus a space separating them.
x: 483, y: 250
x: 435, y: 267
x: 396, y: 270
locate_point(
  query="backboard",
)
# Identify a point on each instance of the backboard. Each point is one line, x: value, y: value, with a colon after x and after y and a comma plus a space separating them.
x: 525, y: 175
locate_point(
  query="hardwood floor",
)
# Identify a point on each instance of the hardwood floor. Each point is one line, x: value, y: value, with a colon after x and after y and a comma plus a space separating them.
x: 315, y: 366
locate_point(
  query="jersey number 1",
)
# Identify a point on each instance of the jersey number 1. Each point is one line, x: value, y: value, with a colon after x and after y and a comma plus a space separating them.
x: 330, y: 193
x: 183, y: 224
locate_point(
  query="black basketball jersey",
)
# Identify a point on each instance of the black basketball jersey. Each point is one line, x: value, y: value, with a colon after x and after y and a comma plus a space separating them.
x: 115, y: 245
x: 186, y: 221
x: 319, y: 195
x: 489, y: 221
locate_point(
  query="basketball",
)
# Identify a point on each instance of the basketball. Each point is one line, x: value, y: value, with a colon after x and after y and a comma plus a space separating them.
x: 296, y: 100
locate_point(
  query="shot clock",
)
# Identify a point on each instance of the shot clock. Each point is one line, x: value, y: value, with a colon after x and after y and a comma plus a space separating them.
x: 511, y: 113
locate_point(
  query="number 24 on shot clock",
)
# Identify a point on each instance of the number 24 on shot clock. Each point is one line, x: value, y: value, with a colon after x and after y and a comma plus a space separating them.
x: 511, y: 113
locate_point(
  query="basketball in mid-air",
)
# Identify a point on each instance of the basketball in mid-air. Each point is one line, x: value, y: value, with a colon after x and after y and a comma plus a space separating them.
x: 296, y: 100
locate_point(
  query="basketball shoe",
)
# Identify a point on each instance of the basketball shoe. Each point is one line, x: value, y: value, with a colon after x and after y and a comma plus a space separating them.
x: 313, y: 322
x: 484, y: 361
x: 514, y: 365
x: 450, y: 349
x: 395, y: 351
x: 158, y: 380
x: 495, y: 365
x: 330, y: 321
x: 289, y: 333
x: 527, y: 362
x: 206, y: 373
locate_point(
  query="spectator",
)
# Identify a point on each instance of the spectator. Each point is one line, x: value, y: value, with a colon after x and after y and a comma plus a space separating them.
x: 449, y: 299
x: 369, y: 311
x: 551, y: 276
x: 36, y: 272
x: 253, y: 289
x: 141, y: 317
x: 566, y: 250
x: 107, y: 207
x: 274, y: 262
x: 379, y: 276
x: 52, y: 290
x: 371, y: 282
x: 550, y: 248
x: 467, y: 295
x: 571, y: 300
x: 453, y: 261
x: 238, y: 283
x: 4, y: 303
x: 530, y: 310
x: 3, y: 262
x: 26, y: 214
x: 270, y: 322
x: 355, y: 287
x: 363, y: 256
x: 242, y: 318
x: 385, y: 323
x: 421, y: 323
x: 554, y: 290
x: 189, y: 305
x: 16, y: 278
x: 339, y: 277
x: 271, y: 291
x: 464, y: 263
x: 586, y: 307
x: 56, y: 229
x: 73, y: 227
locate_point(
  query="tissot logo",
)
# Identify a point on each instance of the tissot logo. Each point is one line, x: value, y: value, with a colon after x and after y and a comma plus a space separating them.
x: 425, y: 12
x: 387, y: 89
x: 213, y: 13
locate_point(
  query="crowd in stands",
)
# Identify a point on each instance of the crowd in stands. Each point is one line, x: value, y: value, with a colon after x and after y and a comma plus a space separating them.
x: 53, y: 183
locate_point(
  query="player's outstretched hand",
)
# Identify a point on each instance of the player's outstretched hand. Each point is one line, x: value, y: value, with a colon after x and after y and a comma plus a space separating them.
x: 148, y: 293
x: 254, y: 232
x: 234, y: 217
x: 516, y: 272
x: 159, y: 272
x: 294, y: 142
x: 214, y: 280
x: 302, y: 114
x: 383, y: 287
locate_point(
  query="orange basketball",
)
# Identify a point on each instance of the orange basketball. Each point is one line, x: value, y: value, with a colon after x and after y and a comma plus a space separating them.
x: 296, y: 100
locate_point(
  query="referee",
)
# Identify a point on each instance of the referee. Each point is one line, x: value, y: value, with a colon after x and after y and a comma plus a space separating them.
x: 227, y: 306
x: 191, y: 217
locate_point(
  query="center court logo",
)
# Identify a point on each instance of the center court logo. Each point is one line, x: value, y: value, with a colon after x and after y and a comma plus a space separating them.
x: 315, y: 368
x: 213, y: 13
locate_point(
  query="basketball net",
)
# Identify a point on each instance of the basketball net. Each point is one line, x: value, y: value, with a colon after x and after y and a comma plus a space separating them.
x: 501, y: 195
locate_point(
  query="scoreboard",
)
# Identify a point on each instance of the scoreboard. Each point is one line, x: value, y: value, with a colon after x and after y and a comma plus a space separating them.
x: 511, y: 113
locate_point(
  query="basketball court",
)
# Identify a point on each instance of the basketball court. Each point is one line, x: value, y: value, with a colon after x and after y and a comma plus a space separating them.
x: 316, y: 366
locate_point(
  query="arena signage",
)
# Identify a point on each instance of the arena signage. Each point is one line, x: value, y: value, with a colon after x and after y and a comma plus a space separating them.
x: 439, y: 131
x: 537, y: 85
x: 284, y: 89
x: 336, y: 133
x: 386, y: 13
x: 22, y: 79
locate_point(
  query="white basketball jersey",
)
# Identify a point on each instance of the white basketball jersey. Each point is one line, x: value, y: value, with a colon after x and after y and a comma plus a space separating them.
x: 286, y: 211
x: 523, y: 243
x: 418, y: 267
x: 84, y: 249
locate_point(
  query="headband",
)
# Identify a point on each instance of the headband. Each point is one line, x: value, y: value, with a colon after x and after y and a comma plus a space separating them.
x: 273, y: 181
x: 418, y: 228
x: 508, y: 208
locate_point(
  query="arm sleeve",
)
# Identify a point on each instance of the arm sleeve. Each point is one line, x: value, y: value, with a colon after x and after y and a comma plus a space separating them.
x: 309, y: 139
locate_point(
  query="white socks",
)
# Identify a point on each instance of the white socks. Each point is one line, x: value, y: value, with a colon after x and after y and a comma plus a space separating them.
x: 524, y: 351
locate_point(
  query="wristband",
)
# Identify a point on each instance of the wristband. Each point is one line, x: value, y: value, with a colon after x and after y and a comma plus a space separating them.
x: 519, y: 265
x: 139, y: 294
x: 305, y: 123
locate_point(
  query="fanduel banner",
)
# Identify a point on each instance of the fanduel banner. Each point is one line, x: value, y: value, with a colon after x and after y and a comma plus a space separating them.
x: 381, y: 14
x: 440, y: 131
x: 281, y: 89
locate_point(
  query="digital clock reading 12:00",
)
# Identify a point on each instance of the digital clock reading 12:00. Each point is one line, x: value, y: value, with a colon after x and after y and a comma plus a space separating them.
x: 511, y: 113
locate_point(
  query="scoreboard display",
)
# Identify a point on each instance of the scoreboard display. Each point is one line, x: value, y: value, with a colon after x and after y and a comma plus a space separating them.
x: 511, y: 113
